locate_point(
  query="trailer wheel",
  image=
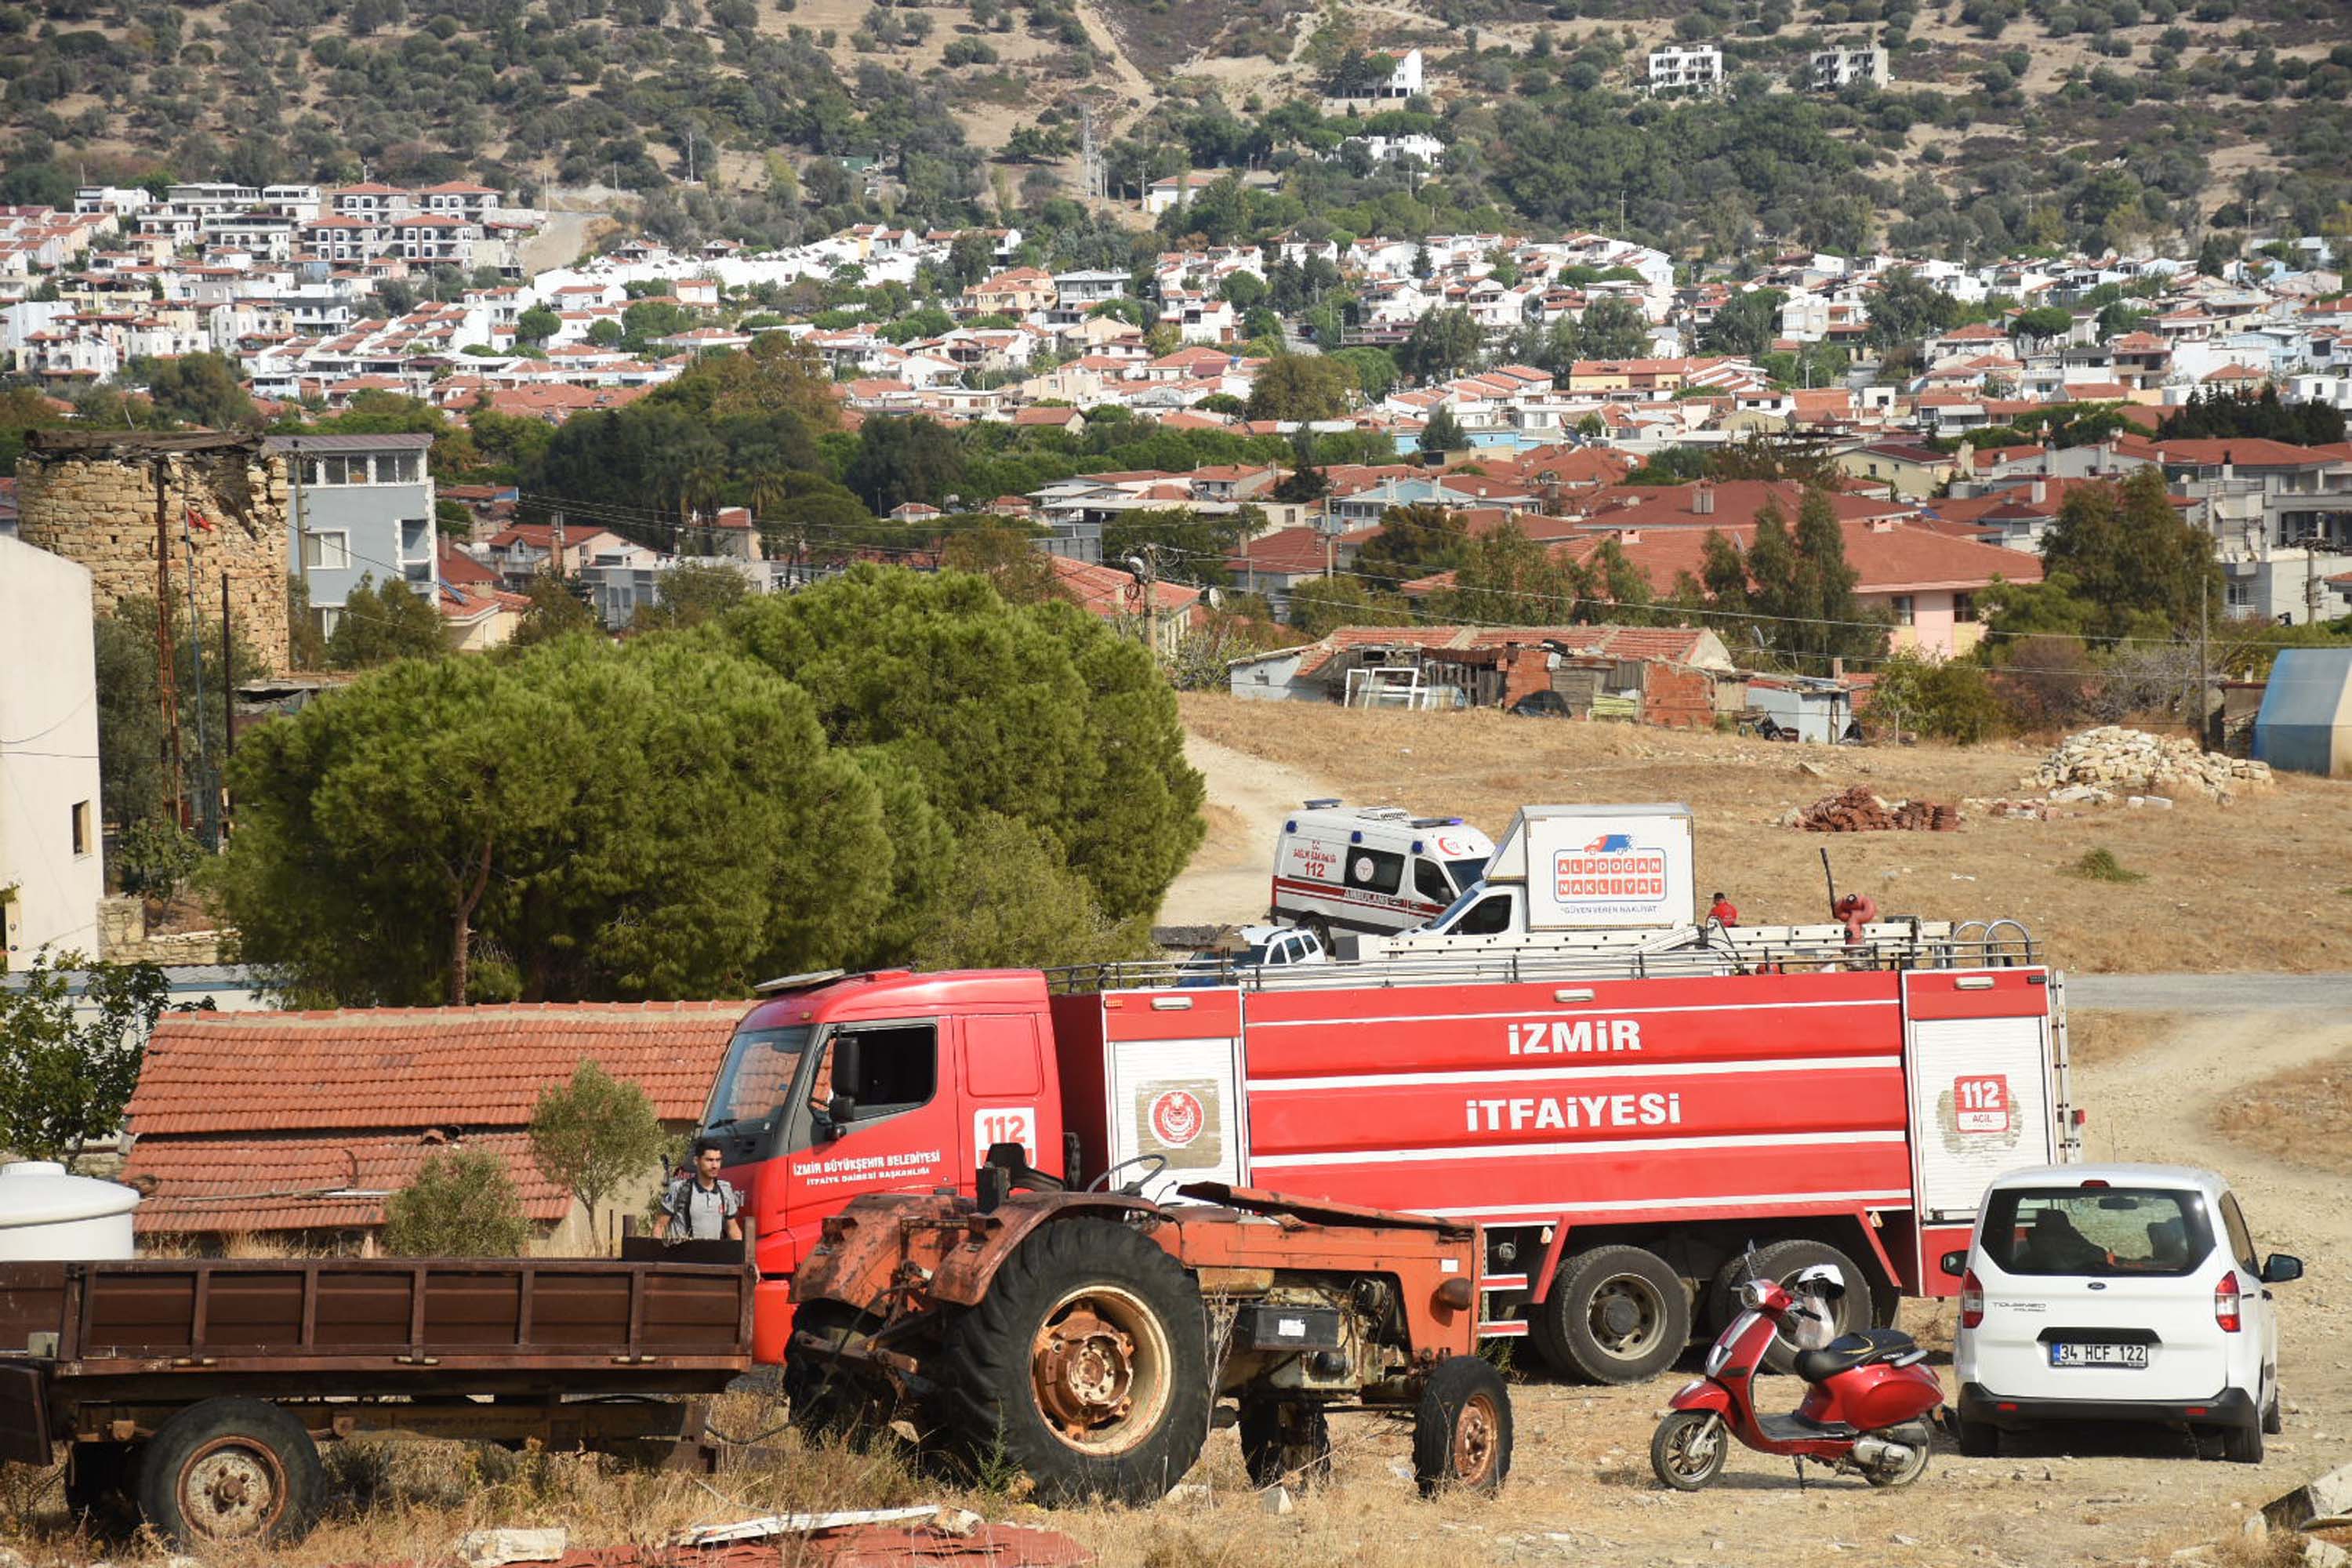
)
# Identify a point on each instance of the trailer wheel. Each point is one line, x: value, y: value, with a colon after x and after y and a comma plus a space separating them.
x: 100, y: 1478
x: 1783, y: 1262
x: 1617, y: 1314
x: 1285, y: 1440
x: 1462, y: 1427
x: 1086, y: 1365
x: 232, y: 1470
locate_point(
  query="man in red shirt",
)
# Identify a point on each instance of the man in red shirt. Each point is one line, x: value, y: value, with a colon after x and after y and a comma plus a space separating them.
x: 1725, y: 911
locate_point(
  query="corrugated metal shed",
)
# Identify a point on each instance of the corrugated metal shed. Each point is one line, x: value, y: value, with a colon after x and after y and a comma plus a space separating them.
x: 2306, y: 723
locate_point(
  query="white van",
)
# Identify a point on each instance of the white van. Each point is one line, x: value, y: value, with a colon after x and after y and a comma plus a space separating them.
x: 1371, y: 868
x: 2118, y: 1293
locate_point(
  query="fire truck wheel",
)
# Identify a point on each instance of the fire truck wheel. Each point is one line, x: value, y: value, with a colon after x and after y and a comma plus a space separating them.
x: 1461, y: 1428
x: 1285, y: 1440
x: 1617, y: 1314
x: 825, y: 1400
x: 231, y: 1472
x: 1085, y: 1366
x: 1784, y: 1260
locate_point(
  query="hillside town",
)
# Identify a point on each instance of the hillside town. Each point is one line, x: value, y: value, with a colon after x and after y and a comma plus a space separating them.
x: 296, y: 288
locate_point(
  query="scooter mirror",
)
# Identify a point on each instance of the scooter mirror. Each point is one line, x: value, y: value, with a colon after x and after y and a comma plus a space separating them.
x: 1752, y: 1293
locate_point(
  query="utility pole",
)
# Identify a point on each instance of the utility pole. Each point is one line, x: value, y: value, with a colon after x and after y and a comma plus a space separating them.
x: 166, y: 665
x: 2204, y: 659
x: 204, y: 804
x: 301, y: 533
x: 228, y: 699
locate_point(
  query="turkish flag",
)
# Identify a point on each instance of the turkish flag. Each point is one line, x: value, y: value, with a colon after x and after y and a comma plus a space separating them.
x: 199, y: 519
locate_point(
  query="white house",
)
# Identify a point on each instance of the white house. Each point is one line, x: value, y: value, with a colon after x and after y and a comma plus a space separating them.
x: 52, y: 864
x: 1842, y: 65
x: 1694, y: 67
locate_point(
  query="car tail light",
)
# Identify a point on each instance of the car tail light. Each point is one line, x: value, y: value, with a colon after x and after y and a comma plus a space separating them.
x: 1971, y: 1300
x: 2225, y: 1303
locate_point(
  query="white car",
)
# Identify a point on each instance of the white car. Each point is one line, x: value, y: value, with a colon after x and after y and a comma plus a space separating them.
x: 2117, y: 1293
x: 1254, y: 949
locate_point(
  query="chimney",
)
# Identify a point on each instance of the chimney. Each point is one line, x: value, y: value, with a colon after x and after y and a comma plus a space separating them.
x: 2228, y: 469
x: 2041, y: 493
x: 1703, y: 499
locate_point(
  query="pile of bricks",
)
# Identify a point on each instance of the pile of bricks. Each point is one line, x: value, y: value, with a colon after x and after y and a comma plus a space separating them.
x: 1857, y: 810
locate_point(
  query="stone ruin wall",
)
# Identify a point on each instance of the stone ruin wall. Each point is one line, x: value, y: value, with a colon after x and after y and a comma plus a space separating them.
x: 99, y: 507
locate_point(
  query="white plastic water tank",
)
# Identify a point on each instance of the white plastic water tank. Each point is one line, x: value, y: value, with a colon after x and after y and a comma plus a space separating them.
x: 46, y: 1215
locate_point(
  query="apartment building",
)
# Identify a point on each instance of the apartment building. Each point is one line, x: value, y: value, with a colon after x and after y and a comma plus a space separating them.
x: 1686, y: 68
x: 1843, y: 65
x: 364, y: 509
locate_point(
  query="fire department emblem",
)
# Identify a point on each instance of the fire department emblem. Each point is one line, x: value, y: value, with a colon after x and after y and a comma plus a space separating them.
x: 1176, y: 1118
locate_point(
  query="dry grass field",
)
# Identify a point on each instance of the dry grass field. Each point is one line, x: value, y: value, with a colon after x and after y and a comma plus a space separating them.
x: 2257, y: 884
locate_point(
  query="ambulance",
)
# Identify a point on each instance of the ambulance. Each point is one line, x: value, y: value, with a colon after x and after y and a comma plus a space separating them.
x: 1375, y: 868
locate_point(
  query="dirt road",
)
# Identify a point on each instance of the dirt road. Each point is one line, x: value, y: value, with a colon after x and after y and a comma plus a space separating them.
x: 2208, y: 993
x: 1248, y: 797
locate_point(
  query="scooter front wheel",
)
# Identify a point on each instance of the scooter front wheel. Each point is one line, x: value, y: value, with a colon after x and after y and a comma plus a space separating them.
x: 1689, y: 1449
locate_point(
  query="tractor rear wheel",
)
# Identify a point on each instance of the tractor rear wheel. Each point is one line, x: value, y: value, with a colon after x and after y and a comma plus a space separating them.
x: 1085, y: 1367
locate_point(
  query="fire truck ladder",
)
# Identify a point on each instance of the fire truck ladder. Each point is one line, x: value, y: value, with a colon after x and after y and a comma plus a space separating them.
x: 1682, y: 951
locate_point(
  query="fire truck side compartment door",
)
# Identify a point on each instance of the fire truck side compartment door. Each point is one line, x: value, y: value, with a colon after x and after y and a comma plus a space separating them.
x: 1181, y: 1099
x: 1981, y: 1105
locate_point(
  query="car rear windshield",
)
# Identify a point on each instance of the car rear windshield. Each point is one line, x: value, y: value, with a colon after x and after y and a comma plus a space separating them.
x: 2096, y: 1231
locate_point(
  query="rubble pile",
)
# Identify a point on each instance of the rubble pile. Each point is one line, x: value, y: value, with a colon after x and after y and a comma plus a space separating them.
x: 1857, y: 810
x: 2023, y: 810
x: 2097, y: 764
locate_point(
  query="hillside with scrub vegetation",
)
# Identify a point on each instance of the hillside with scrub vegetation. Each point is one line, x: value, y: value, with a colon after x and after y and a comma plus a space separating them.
x: 2005, y: 125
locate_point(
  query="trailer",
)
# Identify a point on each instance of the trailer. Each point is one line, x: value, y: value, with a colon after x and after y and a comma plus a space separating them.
x: 1625, y: 1124
x: 199, y: 1389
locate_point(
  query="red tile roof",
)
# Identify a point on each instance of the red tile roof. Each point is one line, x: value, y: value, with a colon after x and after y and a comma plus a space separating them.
x: 1890, y: 558
x: 234, y: 1185
x: 1737, y: 503
x: 213, y: 1073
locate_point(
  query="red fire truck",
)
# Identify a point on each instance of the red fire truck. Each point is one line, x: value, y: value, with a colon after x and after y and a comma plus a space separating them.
x: 1635, y: 1127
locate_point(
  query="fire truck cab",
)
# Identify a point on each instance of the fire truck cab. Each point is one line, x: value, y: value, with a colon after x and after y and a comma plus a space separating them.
x: 1636, y: 1122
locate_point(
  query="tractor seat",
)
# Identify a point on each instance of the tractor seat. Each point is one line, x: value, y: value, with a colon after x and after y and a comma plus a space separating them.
x: 1847, y: 1352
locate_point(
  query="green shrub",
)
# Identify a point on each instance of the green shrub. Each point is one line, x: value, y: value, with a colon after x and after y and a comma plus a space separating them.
x: 155, y: 858
x: 2101, y: 866
x: 593, y: 1135
x: 461, y: 1204
x: 1950, y: 700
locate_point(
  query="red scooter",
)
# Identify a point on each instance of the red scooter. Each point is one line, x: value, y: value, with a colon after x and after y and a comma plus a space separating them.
x: 1865, y: 1412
